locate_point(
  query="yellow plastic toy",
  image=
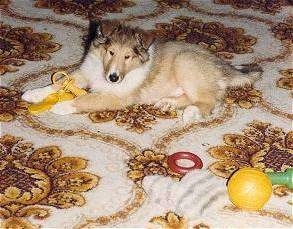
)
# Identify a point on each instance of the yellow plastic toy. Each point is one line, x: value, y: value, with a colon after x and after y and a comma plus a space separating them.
x: 67, y: 91
x: 67, y: 83
x: 249, y: 188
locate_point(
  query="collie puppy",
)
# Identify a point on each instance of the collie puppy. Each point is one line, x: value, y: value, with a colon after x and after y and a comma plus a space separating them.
x: 124, y: 66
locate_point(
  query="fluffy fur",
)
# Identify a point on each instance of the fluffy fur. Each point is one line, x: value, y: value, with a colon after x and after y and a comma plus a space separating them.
x: 123, y: 66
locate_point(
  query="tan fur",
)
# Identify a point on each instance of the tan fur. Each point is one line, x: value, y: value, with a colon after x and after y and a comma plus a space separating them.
x: 119, y: 53
x: 119, y: 60
x: 186, y: 66
x: 202, y: 77
x: 100, y: 102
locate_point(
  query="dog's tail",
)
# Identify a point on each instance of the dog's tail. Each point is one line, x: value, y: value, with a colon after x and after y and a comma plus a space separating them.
x: 245, y: 75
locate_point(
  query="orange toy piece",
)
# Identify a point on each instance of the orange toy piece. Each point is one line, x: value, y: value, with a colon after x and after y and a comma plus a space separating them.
x: 67, y: 91
x: 249, y: 188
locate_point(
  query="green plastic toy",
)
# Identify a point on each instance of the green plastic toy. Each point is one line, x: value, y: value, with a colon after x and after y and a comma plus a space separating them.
x: 282, y: 178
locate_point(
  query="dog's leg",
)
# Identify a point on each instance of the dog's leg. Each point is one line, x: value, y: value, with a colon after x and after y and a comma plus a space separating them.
x: 37, y: 95
x: 64, y: 108
x: 199, y: 79
x: 191, y: 113
x: 91, y: 103
x: 171, y: 103
x: 198, y: 111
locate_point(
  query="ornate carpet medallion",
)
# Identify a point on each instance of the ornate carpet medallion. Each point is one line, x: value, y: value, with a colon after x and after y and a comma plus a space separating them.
x: 266, y: 6
x: 286, y: 81
x: 93, y: 9
x: 261, y: 145
x: 137, y: 118
x: 149, y: 163
x: 245, y: 97
x: 170, y: 220
x: 4, y: 4
x: 175, y: 4
x: 213, y: 35
x: 283, y: 31
x: 33, y: 179
x: 11, y: 104
x: 19, y: 44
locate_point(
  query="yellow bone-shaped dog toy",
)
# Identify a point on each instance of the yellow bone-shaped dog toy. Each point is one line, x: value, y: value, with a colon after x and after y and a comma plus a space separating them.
x: 67, y: 91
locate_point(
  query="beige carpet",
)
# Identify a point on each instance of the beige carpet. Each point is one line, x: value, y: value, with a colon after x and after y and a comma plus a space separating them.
x: 109, y: 169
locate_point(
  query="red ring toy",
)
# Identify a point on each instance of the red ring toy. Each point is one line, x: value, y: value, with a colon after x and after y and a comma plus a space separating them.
x: 171, y: 161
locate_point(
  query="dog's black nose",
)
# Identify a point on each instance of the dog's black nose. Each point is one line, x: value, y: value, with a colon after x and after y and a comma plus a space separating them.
x: 113, y: 77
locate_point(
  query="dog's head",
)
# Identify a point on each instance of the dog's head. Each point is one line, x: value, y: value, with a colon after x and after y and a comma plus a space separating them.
x: 121, y: 48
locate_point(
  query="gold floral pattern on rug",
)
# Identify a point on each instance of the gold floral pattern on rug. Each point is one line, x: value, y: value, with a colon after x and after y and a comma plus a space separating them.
x: 281, y: 190
x: 284, y: 30
x: 19, y: 44
x: 266, y: 6
x: 11, y: 104
x: 170, y: 221
x: 4, y: 4
x: 175, y: 4
x: 149, y: 163
x: 201, y: 226
x: 261, y: 146
x: 286, y: 82
x: 278, y: 215
x: 31, y: 178
x: 92, y: 9
x: 212, y: 35
x: 137, y: 118
x: 244, y: 97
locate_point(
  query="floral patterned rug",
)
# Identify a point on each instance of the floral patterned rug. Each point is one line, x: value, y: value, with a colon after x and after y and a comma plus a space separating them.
x: 110, y: 168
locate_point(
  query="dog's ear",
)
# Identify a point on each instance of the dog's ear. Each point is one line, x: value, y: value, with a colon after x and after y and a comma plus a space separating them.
x: 142, y: 53
x: 103, y: 31
x: 144, y: 41
x: 99, y: 36
x: 108, y: 27
x: 90, y: 37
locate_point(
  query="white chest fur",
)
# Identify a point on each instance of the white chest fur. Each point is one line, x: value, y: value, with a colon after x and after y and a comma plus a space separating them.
x: 93, y: 70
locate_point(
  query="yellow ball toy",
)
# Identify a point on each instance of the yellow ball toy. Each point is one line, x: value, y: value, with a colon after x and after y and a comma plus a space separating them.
x: 249, y: 189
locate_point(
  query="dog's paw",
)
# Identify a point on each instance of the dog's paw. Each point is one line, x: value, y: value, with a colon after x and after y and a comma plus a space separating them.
x: 63, y: 108
x: 36, y: 95
x: 165, y: 104
x: 191, y: 113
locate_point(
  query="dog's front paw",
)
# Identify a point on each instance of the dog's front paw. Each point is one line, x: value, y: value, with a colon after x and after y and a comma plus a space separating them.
x: 36, y: 95
x: 165, y: 104
x: 32, y: 96
x: 64, y: 108
x: 191, y: 113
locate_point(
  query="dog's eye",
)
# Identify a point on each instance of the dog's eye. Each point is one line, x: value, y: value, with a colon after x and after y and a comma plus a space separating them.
x: 127, y: 57
x: 111, y: 53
